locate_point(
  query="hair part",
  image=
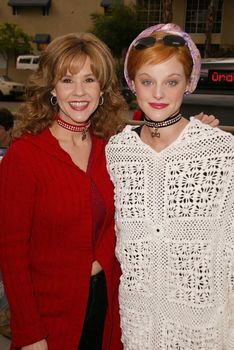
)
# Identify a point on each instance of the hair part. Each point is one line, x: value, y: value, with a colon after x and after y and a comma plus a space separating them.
x: 68, y: 53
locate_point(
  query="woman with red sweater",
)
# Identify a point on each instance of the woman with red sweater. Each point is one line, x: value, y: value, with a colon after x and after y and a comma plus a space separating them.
x: 57, y: 249
x: 57, y: 236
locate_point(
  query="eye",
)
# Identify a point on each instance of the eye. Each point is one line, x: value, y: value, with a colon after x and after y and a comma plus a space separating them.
x: 66, y: 80
x: 90, y: 80
x: 146, y: 82
x: 172, y: 82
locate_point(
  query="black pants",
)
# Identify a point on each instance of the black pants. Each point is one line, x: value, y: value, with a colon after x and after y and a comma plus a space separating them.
x: 91, y: 338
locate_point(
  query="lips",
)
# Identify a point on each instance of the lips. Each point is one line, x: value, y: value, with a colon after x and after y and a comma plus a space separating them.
x: 158, y: 105
x: 79, y: 105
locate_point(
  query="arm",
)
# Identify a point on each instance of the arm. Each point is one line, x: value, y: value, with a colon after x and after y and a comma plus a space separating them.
x: 208, y: 119
x: 40, y: 345
x: 17, y: 193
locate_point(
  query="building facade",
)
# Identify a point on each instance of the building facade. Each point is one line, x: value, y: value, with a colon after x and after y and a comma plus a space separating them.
x: 46, y: 19
x: 192, y: 15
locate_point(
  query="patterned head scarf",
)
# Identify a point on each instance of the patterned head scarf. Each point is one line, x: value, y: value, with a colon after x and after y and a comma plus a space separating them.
x: 171, y: 28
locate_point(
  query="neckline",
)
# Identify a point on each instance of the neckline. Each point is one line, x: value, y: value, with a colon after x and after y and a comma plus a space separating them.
x: 65, y: 156
x: 166, y: 149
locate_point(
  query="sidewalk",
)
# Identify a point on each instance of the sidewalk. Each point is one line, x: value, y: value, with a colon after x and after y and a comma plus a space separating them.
x: 4, y: 343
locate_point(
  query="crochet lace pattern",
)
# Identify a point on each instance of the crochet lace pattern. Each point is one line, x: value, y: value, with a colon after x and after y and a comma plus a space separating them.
x: 175, y: 239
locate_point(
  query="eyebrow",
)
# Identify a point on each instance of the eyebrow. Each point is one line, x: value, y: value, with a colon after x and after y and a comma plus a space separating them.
x: 71, y: 75
x: 89, y: 75
x: 170, y: 75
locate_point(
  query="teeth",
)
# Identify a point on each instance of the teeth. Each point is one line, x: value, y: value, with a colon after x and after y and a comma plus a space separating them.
x: 78, y: 104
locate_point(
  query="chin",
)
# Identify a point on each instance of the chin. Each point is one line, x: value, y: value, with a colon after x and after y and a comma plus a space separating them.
x: 157, y: 117
x: 160, y: 115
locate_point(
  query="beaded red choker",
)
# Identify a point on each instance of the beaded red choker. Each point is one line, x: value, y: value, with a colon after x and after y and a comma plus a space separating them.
x: 83, y: 128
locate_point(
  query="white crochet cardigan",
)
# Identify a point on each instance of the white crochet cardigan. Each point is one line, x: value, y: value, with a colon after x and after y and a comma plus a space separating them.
x: 175, y: 239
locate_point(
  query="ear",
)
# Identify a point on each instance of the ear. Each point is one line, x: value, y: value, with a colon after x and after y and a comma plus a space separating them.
x: 133, y: 87
x: 53, y: 92
x: 187, y: 88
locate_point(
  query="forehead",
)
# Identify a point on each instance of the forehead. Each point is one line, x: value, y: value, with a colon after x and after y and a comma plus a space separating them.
x: 82, y: 67
x: 167, y: 67
x: 73, y: 65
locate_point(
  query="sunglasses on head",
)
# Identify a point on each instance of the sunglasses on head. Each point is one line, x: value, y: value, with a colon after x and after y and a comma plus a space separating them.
x: 169, y: 40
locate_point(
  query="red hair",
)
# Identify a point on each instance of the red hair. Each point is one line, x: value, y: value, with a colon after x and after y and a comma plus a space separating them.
x: 159, y: 53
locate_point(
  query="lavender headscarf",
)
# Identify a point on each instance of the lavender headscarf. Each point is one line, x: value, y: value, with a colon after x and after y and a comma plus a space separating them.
x: 172, y: 29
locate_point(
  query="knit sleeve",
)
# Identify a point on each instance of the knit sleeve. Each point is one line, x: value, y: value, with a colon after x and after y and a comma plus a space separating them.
x: 17, y: 193
x: 230, y: 269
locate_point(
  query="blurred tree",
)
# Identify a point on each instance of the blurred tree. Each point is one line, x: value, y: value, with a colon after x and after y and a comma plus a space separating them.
x: 13, y: 39
x: 117, y: 28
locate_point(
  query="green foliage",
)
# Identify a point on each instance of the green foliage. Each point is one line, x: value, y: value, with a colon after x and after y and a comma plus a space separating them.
x: 117, y: 28
x: 13, y: 38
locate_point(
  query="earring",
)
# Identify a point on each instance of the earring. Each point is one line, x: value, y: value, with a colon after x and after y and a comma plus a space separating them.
x: 53, y: 100
x: 101, y: 101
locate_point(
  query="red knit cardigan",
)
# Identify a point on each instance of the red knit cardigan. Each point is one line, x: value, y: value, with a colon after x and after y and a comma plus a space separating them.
x: 46, y: 250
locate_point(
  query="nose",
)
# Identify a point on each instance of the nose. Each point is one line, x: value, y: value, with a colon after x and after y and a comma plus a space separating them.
x: 158, y: 91
x: 79, y: 89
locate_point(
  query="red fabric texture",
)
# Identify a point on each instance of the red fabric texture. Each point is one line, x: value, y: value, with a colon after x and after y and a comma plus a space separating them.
x: 46, y: 249
x: 137, y: 115
x: 98, y: 207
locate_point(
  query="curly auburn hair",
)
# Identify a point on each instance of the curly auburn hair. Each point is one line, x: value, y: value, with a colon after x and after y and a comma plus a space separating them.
x: 68, y: 53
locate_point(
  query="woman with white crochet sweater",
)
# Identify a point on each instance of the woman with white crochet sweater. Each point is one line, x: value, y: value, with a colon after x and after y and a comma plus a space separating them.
x: 174, y: 193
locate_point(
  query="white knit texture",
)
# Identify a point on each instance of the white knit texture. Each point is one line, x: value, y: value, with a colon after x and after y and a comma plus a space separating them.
x: 175, y: 239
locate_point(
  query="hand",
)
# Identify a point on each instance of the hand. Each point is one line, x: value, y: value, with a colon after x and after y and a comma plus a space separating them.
x: 40, y: 345
x: 208, y: 119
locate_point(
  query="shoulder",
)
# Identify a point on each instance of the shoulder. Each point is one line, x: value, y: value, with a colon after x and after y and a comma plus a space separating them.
x: 18, y: 160
x: 213, y: 137
x: 29, y: 138
x: 126, y: 136
x: 27, y: 145
x: 25, y: 138
x: 19, y: 145
x: 121, y: 146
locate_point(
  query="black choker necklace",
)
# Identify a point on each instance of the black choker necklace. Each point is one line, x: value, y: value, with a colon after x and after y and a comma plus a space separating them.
x: 156, y: 125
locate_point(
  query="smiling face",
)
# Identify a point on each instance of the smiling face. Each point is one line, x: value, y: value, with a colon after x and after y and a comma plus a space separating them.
x: 78, y: 94
x: 160, y: 88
